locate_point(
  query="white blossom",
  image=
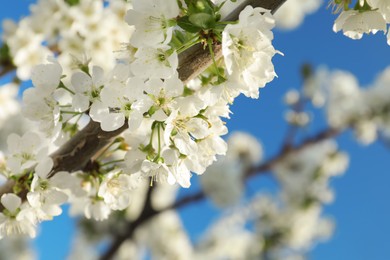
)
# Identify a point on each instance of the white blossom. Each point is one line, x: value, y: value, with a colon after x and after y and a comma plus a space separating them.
x: 383, y: 7
x: 244, y: 148
x: 90, y: 204
x: 118, y: 103
x: 154, y: 62
x: 25, y: 151
x: 247, y: 51
x: 45, y: 196
x: 354, y: 23
x: 152, y: 23
x: 12, y: 222
x: 42, y: 102
x: 87, y: 88
x: 116, y: 190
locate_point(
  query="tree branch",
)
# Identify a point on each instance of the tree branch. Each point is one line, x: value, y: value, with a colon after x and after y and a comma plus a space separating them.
x: 147, y: 213
x: 77, y: 152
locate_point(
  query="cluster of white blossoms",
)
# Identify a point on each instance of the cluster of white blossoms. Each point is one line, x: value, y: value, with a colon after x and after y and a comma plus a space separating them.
x: 305, y: 175
x: 227, y: 173
x: 28, y: 164
x: 364, y: 109
x: 368, y: 16
x: 291, y: 14
x: 171, y: 129
x: 290, y: 224
x: 17, y: 248
x: 76, y: 29
x: 286, y: 224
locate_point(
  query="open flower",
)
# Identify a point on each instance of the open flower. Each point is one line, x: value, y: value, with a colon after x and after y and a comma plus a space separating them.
x: 116, y: 190
x: 87, y: 88
x: 120, y: 101
x: 248, y: 50
x: 12, y: 222
x: 383, y: 7
x: 25, y: 151
x: 154, y: 63
x: 152, y: 20
x: 354, y: 23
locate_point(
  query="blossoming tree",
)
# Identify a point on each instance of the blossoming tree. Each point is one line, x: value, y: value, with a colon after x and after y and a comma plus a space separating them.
x: 130, y: 99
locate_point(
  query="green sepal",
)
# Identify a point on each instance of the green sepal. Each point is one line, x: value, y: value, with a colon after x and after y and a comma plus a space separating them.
x: 152, y: 110
x: 187, y: 91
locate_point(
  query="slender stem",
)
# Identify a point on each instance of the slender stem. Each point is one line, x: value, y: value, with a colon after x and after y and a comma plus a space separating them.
x: 193, y: 41
x: 62, y: 85
x: 103, y: 151
x: 159, y: 141
x: 111, y: 162
x: 71, y: 112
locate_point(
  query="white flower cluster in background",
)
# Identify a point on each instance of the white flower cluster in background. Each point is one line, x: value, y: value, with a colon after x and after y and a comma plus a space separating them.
x: 73, y: 31
x: 292, y: 13
x: 9, y: 106
x: 227, y: 174
x: 368, y: 16
x: 305, y: 175
x: 287, y: 225
x: 364, y: 109
x: 16, y: 248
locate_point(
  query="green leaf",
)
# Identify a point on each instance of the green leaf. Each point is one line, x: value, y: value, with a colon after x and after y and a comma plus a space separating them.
x: 5, y: 55
x: 72, y: 2
x: 205, y: 6
x: 202, y: 20
x: 200, y: 6
x: 185, y: 24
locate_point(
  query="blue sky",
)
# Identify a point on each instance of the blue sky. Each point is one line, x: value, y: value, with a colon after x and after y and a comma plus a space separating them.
x: 361, y: 209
